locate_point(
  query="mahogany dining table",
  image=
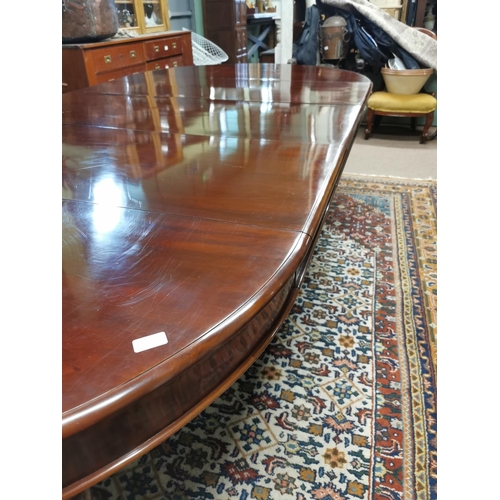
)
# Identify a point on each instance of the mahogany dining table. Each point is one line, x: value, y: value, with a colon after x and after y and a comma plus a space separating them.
x: 192, y: 201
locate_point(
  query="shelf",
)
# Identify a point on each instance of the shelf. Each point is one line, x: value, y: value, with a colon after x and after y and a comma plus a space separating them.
x: 139, y: 9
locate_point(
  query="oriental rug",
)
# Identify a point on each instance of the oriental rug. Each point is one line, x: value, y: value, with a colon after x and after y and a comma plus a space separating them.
x: 342, y: 403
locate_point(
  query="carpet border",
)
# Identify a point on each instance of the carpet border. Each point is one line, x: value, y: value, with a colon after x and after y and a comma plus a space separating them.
x: 382, y: 178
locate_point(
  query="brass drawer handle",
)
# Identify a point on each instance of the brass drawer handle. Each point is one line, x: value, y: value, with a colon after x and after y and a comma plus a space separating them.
x: 157, y: 66
x: 156, y: 48
x: 174, y: 45
x: 132, y: 53
x: 107, y: 59
x: 175, y: 63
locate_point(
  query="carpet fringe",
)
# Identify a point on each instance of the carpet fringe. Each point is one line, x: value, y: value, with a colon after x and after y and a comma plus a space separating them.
x: 352, y: 175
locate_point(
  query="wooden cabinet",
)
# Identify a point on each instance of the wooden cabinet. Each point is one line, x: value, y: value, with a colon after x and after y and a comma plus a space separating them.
x: 226, y: 26
x: 88, y: 64
x: 143, y: 16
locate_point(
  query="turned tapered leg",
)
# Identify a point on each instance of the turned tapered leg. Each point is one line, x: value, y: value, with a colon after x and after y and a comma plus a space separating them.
x: 369, y: 122
x: 428, y: 122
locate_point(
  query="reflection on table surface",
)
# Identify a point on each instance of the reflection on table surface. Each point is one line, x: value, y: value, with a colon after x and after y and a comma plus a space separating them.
x: 191, y: 201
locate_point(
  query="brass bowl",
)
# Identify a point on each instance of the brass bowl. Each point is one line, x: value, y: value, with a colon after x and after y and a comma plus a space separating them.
x: 405, y: 81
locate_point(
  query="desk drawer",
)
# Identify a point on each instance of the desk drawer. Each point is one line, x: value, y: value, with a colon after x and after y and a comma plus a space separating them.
x: 168, y: 62
x: 112, y: 75
x: 118, y: 56
x: 157, y: 49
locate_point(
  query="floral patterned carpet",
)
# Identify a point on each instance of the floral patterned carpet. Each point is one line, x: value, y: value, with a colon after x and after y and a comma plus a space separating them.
x: 342, y: 404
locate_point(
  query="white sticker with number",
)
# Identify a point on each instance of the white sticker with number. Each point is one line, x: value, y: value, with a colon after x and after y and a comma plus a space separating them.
x: 149, y: 342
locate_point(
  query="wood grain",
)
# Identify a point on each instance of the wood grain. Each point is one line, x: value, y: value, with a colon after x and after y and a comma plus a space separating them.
x: 192, y: 209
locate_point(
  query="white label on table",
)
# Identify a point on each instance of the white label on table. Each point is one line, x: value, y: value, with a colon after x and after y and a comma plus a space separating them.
x: 150, y: 341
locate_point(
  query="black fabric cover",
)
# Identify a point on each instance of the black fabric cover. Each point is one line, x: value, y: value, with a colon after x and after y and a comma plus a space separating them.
x: 375, y: 56
x: 305, y: 50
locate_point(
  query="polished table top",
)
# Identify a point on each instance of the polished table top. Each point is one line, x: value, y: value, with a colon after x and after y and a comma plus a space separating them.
x: 190, y: 198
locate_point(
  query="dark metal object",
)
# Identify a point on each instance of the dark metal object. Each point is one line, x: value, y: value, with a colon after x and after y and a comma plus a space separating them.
x: 335, y: 39
x: 88, y: 20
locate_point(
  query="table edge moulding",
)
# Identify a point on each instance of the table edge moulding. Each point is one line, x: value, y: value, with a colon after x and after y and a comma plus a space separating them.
x: 193, y: 198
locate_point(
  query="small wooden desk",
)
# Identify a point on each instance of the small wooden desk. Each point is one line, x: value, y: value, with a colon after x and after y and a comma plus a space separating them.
x: 192, y: 201
x: 86, y: 64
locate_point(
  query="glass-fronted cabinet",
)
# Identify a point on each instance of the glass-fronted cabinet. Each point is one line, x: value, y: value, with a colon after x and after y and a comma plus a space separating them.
x: 143, y: 16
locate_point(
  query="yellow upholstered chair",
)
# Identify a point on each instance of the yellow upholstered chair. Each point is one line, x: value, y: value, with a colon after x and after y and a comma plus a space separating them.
x: 385, y: 103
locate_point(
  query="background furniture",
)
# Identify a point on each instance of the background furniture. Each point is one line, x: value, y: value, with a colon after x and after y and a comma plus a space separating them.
x: 400, y: 105
x: 395, y: 8
x: 225, y: 24
x: 261, y: 36
x: 414, y: 106
x: 193, y: 199
x: 143, y: 16
x: 87, y: 64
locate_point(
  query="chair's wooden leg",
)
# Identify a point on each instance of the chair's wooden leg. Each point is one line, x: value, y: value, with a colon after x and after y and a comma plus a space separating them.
x: 428, y: 122
x: 369, y: 122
